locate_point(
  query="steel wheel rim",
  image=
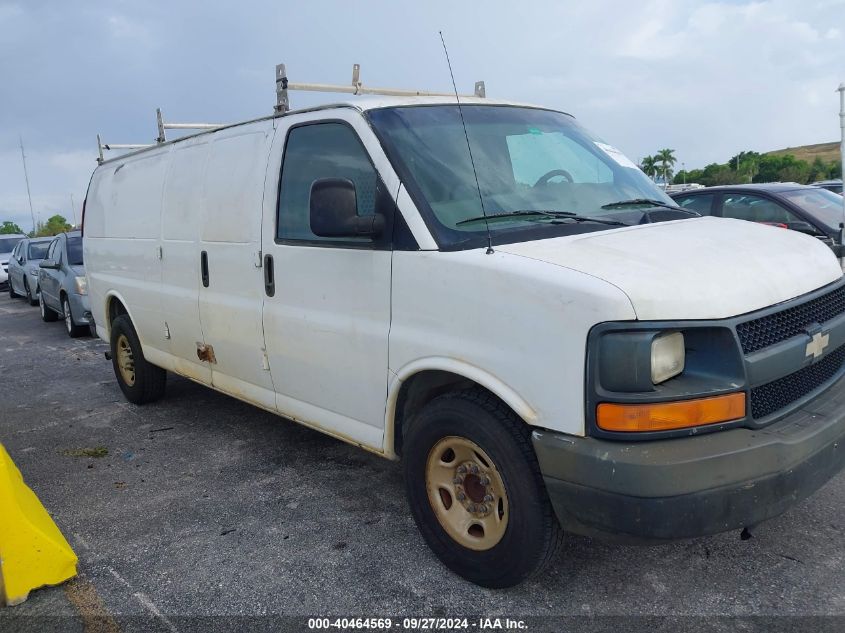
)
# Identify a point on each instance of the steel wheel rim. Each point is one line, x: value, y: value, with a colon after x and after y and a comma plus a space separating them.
x: 467, y: 493
x: 68, y: 318
x: 125, y: 360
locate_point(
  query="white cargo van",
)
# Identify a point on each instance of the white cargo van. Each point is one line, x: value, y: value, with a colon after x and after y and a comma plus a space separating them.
x: 550, y: 347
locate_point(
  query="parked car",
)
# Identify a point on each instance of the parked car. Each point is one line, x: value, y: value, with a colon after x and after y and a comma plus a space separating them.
x: 64, y: 288
x: 811, y: 210
x: 539, y: 353
x: 23, y: 268
x: 8, y: 242
x: 831, y: 185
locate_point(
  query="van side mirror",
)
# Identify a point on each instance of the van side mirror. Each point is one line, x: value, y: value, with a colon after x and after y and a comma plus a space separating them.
x: 334, y: 211
x: 49, y: 263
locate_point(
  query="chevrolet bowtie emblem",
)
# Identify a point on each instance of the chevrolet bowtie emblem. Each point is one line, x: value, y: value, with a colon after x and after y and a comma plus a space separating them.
x: 817, y: 345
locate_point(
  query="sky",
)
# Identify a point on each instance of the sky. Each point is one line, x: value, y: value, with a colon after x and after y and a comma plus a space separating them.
x: 708, y: 79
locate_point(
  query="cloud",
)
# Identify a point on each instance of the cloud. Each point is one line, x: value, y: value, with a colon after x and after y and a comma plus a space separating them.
x: 707, y: 78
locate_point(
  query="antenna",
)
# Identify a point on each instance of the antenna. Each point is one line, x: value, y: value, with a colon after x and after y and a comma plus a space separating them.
x: 469, y: 147
x: 26, y: 177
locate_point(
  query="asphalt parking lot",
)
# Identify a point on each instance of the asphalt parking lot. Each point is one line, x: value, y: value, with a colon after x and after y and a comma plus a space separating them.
x: 205, y: 509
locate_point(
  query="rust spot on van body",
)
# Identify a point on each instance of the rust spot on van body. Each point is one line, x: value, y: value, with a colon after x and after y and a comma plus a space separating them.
x: 206, y: 353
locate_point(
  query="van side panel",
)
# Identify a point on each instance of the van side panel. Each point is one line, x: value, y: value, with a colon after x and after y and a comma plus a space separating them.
x: 230, y: 235
x: 181, y: 214
x: 122, y: 239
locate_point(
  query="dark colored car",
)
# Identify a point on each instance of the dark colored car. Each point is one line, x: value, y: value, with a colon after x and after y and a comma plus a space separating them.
x: 811, y: 210
x: 64, y: 287
x: 831, y: 185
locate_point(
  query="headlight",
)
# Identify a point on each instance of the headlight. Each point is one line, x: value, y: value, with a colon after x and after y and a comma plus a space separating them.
x: 667, y: 356
x: 81, y: 285
x: 33, y: 272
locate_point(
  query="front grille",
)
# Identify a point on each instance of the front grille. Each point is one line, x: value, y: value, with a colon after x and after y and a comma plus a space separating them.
x: 774, y: 396
x: 774, y: 328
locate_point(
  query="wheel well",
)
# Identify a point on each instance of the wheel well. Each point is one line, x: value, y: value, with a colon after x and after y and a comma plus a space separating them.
x: 116, y: 308
x: 419, y: 390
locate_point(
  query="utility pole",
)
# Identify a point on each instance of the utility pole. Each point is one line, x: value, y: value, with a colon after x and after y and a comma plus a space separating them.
x: 684, y: 168
x: 26, y: 177
x: 73, y: 209
x: 841, y: 91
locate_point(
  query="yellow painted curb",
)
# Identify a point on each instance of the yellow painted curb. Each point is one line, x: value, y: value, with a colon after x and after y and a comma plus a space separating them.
x: 33, y: 552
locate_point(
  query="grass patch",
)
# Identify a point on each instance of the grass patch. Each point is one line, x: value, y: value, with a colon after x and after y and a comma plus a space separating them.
x: 97, y: 451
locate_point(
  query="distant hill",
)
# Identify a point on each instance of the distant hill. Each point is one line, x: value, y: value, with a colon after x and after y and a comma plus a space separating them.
x: 825, y: 151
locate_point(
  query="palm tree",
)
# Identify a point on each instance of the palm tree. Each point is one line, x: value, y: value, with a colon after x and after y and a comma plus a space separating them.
x: 666, y: 158
x: 649, y: 166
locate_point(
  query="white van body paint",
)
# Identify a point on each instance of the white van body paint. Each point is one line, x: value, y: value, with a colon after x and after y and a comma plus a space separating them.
x: 347, y: 328
x: 702, y: 268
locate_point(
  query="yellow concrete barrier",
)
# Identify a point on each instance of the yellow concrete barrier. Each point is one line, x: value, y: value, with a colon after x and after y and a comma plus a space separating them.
x: 33, y: 552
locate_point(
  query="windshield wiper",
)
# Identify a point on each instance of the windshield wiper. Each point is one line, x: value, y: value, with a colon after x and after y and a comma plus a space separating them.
x: 569, y: 215
x: 649, y: 201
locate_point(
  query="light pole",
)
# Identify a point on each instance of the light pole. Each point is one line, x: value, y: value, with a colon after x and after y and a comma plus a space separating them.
x: 684, y: 169
x: 841, y: 90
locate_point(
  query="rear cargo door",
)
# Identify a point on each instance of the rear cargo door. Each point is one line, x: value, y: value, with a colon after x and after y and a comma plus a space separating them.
x: 231, y: 290
x: 182, y: 212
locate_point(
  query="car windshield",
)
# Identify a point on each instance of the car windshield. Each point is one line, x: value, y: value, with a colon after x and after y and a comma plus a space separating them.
x: 37, y: 250
x: 7, y: 244
x: 822, y: 204
x: 74, y: 251
x: 526, y: 159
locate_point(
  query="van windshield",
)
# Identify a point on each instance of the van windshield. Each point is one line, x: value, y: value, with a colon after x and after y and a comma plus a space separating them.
x: 527, y: 159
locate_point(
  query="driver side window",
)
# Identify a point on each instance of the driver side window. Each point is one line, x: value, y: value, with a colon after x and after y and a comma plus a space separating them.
x: 756, y: 209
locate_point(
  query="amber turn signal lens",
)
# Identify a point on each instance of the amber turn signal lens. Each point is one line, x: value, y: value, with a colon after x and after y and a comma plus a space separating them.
x: 665, y: 416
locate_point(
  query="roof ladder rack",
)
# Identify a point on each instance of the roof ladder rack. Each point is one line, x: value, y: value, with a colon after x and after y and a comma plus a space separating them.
x: 355, y: 88
x: 161, y: 138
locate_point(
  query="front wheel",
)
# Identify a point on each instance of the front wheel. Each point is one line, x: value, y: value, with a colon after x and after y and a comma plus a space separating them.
x: 12, y: 293
x: 475, y: 489
x: 140, y: 381
x: 47, y: 314
x: 73, y: 330
x: 33, y: 301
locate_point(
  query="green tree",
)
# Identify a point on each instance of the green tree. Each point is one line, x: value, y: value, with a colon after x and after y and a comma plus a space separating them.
x: 54, y: 225
x: 717, y: 174
x: 649, y: 166
x: 666, y: 160
x: 818, y: 170
x: 9, y: 227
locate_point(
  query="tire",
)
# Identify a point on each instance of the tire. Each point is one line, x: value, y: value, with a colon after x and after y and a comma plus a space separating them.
x: 73, y: 330
x: 513, y: 532
x: 32, y: 301
x: 140, y: 381
x: 48, y: 315
x: 12, y: 293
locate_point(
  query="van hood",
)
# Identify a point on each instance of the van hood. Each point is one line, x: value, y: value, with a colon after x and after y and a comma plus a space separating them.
x: 702, y: 268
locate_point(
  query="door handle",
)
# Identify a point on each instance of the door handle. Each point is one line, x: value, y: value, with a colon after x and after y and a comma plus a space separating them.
x: 269, y: 276
x: 204, y: 268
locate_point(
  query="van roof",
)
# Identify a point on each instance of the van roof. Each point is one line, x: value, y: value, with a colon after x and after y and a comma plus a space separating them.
x: 362, y: 104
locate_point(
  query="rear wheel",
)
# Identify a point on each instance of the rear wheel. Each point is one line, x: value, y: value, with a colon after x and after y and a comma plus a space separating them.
x: 475, y: 489
x: 139, y: 380
x: 72, y: 329
x: 47, y: 314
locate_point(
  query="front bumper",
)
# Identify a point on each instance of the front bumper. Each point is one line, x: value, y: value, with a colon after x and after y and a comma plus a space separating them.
x: 80, y: 308
x: 686, y: 487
